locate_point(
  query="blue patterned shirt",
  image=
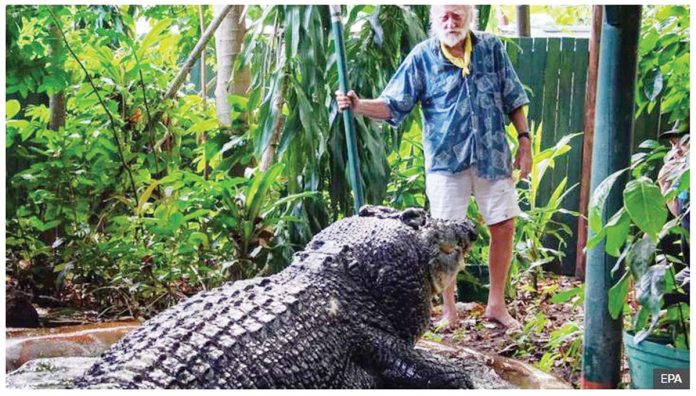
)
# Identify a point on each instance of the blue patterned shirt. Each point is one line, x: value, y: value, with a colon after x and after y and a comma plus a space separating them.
x: 463, y: 117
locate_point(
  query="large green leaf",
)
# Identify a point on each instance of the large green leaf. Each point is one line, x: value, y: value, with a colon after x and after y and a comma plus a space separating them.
x: 292, y: 198
x: 153, y: 36
x: 617, y: 295
x: 646, y: 205
x: 596, y: 239
x: 257, y: 193
x: 599, y: 198
x: 653, y: 84
x: 11, y: 108
x: 641, y: 256
x: 649, y: 290
x: 484, y: 12
x: 617, y: 231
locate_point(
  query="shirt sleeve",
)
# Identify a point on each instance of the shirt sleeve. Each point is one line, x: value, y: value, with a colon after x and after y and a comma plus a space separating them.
x: 513, y: 93
x: 403, y: 91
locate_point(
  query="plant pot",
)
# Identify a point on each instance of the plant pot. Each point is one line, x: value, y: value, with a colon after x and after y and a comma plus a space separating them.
x: 472, y: 284
x: 651, y: 354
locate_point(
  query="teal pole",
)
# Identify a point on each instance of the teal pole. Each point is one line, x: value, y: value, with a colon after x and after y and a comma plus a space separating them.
x: 614, y: 113
x: 348, y: 122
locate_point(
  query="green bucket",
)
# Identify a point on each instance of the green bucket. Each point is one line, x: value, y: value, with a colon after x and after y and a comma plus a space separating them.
x: 650, y: 354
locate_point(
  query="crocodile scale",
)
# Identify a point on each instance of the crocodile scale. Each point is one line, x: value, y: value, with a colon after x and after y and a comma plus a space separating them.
x: 344, y: 314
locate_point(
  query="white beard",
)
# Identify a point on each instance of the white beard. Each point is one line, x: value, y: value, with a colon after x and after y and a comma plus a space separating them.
x: 451, y: 38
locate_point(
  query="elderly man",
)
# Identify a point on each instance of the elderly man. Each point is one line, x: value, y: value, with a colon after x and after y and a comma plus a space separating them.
x: 466, y: 85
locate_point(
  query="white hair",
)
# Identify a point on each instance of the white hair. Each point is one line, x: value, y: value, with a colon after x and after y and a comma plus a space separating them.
x: 467, y: 11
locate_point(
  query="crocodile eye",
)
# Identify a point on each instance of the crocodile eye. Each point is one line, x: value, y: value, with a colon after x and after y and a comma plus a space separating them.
x: 447, y: 248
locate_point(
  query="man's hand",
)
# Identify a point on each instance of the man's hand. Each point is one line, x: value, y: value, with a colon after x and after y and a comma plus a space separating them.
x: 374, y: 108
x: 347, y: 101
x: 523, y: 159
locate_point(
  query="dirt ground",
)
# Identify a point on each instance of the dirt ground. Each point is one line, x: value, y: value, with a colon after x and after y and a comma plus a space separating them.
x: 539, y: 317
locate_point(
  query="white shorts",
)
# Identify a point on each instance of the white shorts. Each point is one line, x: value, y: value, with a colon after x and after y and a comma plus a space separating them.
x: 449, y: 196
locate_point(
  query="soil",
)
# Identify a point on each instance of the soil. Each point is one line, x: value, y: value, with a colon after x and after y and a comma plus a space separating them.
x: 539, y: 317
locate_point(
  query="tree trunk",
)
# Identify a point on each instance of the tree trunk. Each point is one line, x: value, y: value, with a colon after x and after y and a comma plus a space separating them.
x: 190, y: 60
x: 204, y: 90
x: 588, y: 137
x: 196, y: 52
x: 523, y: 25
x: 56, y: 102
x: 240, y: 81
x: 268, y: 156
x: 228, y: 44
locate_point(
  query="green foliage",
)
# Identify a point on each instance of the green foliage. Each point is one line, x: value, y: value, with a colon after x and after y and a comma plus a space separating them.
x: 564, y: 347
x: 191, y: 221
x: 663, y: 66
x: 632, y: 234
x: 407, y: 185
x: 75, y: 227
x: 311, y: 140
x: 538, y: 222
x: 644, y: 203
x: 561, y: 15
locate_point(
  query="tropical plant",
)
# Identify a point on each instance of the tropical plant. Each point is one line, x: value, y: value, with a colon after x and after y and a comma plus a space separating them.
x: 293, y: 93
x: 663, y: 66
x: 136, y: 181
x: 116, y: 209
x: 407, y: 168
x: 633, y: 236
x: 538, y: 223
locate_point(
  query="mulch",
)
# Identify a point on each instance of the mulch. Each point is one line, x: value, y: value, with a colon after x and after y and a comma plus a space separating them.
x: 539, y: 317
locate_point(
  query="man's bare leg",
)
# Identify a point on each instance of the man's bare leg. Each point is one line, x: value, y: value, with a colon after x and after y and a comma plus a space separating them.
x: 449, y: 307
x: 500, y: 256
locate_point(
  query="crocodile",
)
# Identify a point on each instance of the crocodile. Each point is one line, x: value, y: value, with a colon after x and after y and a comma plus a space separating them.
x: 345, y: 313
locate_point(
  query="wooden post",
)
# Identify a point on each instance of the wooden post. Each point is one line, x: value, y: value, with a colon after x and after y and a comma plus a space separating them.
x: 588, y: 136
x: 523, y: 25
x: 615, y: 108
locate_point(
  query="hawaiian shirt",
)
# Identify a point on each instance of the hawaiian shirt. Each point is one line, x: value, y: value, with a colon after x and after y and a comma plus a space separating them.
x: 463, y: 117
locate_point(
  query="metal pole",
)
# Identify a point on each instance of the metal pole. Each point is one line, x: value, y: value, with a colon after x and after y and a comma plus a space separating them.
x: 523, y: 25
x: 351, y: 141
x: 590, y: 102
x: 611, y: 152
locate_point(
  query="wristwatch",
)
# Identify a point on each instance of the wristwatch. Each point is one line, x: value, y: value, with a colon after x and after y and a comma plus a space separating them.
x: 524, y: 134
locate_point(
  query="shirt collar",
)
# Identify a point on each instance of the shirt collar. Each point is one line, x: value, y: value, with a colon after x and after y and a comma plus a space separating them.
x: 474, y: 38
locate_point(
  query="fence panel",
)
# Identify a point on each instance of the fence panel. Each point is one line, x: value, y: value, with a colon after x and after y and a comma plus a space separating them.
x: 554, y: 71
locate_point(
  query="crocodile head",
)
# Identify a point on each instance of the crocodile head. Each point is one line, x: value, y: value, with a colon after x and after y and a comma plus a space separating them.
x: 448, y: 242
x: 404, y: 288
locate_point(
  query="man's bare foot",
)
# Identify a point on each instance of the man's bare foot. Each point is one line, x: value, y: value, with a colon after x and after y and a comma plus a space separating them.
x: 503, y: 317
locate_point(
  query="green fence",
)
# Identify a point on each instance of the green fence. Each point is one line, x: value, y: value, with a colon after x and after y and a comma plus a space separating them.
x: 554, y: 70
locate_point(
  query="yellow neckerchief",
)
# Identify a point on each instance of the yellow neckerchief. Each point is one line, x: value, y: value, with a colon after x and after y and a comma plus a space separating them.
x: 462, y: 63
